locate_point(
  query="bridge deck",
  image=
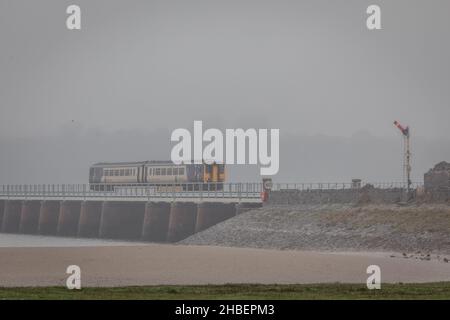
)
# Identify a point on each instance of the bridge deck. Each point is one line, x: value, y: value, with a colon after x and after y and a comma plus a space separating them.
x: 197, y: 199
x: 166, y: 193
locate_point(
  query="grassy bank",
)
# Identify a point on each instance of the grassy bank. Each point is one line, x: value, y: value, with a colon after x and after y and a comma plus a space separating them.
x: 439, y: 290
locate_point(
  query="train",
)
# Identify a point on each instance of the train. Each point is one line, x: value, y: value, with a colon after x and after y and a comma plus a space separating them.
x: 105, y: 176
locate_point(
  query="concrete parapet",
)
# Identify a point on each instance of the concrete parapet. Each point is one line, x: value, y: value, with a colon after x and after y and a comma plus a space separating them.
x: 211, y: 213
x: 156, y: 221
x: 29, y: 217
x: 182, y: 221
x: 69, y: 216
x: 90, y: 216
x: 48, y: 217
x: 121, y: 220
x: 11, y: 216
x: 2, y: 208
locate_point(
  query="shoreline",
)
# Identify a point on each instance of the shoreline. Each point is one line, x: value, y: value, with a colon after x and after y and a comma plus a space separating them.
x: 166, y: 264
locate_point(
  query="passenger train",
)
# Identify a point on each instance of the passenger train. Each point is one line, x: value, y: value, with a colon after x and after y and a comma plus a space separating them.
x: 106, y: 176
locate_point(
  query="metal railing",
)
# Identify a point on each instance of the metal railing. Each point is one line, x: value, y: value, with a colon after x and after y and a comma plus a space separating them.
x: 174, y: 191
x: 136, y: 191
x: 341, y: 186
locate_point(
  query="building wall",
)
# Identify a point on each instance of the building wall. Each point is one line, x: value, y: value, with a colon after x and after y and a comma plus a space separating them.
x: 438, y: 177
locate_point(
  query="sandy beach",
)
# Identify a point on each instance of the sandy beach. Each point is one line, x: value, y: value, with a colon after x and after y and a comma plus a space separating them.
x: 155, y: 264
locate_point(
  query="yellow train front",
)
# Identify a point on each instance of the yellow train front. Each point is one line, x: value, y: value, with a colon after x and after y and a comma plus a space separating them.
x: 165, y: 175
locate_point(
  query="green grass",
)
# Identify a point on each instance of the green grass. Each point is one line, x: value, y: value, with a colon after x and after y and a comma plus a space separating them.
x: 439, y: 290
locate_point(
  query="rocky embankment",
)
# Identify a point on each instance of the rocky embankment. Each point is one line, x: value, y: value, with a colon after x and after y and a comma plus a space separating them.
x: 414, y: 231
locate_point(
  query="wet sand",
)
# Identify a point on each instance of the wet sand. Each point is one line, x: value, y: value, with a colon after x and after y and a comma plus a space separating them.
x: 155, y: 264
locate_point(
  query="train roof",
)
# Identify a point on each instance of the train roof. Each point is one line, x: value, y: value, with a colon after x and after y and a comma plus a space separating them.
x: 137, y: 163
x: 133, y: 163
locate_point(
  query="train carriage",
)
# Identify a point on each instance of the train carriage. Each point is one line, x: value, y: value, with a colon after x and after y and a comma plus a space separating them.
x: 165, y: 175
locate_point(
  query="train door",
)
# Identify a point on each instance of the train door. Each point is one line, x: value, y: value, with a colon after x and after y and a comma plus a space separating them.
x: 215, y: 173
x: 141, y: 174
x: 211, y: 173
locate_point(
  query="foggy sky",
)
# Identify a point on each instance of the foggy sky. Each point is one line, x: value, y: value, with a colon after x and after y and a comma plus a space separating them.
x: 139, y: 69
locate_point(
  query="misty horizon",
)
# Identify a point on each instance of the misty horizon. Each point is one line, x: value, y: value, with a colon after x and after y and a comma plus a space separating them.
x: 117, y: 88
x: 65, y: 158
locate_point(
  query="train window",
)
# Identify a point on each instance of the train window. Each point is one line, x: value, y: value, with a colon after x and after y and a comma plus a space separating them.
x: 117, y: 173
x: 157, y: 171
x: 163, y: 171
x: 181, y: 171
x: 175, y: 171
x: 169, y: 171
x: 150, y: 171
x: 105, y: 172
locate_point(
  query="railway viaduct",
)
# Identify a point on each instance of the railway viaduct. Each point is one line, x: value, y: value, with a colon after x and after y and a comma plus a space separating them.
x: 161, y: 215
x: 131, y: 214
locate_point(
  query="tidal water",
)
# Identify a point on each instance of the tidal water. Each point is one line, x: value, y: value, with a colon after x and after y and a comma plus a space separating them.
x: 20, y: 240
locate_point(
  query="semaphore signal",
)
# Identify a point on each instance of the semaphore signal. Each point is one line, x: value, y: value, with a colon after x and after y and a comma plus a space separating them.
x: 406, y: 155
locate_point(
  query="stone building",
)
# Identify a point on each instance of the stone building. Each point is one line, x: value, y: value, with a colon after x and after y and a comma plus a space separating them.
x: 438, y: 178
